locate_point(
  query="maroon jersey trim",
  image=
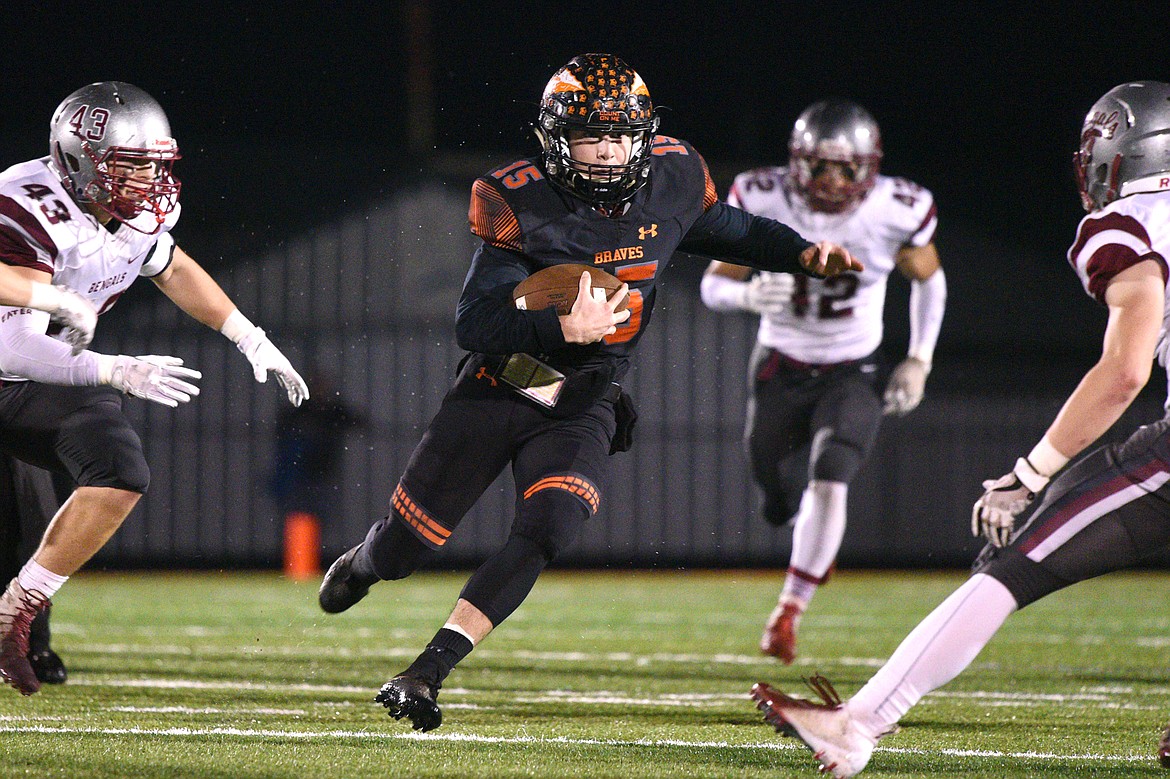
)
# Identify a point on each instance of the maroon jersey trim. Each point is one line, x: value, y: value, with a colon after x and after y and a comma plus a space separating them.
x: 1111, y: 221
x: 1112, y: 259
x: 931, y: 214
x: 14, y: 246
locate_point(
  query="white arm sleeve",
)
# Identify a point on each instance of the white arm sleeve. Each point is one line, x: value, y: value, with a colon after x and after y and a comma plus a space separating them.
x: 26, y: 351
x: 928, y: 300
x: 720, y: 293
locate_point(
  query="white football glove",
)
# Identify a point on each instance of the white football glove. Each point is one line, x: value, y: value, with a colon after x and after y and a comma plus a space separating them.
x: 769, y: 293
x: 1004, y: 499
x: 155, y: 378
x: 75, y: 314
x: 906, y: 386
x: 265, y: 358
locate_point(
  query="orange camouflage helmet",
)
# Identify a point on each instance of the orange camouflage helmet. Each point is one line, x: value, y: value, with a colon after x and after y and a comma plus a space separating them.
x: 597, y: 93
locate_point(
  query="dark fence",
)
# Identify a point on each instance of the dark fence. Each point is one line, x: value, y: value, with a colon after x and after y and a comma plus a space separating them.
x: 368, y: 303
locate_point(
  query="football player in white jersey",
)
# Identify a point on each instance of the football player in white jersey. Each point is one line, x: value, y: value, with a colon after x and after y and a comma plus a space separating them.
x: 815, y: 406
x: 93, y: 216
x: 1106, y: 511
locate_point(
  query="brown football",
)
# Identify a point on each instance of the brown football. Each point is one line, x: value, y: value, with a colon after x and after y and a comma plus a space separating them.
x: 557, y: 286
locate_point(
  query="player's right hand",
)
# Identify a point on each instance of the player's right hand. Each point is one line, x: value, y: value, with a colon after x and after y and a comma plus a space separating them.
x: 158, y: 379
x: 592, y: 316
x: 994, y: 514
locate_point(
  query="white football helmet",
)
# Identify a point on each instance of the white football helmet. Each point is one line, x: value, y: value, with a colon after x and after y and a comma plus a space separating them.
x: 1125, y: 144
x: 837, y: 131
x: 110, y: 143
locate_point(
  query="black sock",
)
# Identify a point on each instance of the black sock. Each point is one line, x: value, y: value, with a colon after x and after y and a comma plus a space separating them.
x: 446, y: 649
x: 363, y: 565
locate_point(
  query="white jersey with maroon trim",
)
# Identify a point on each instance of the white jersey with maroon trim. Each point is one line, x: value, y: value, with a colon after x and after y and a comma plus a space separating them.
x: 838, y: 319
x: 1120, y: 235
x: 42, y: 227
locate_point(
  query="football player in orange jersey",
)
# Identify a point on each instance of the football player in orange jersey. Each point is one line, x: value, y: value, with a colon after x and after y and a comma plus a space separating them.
x: 539, y: 391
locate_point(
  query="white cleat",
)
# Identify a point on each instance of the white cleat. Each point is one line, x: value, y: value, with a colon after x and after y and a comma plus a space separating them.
x: 825, y: 728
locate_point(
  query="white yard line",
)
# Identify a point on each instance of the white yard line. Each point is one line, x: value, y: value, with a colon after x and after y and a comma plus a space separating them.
x: 489, y: 654
x: 508, y: 740
x: 1095, y: 697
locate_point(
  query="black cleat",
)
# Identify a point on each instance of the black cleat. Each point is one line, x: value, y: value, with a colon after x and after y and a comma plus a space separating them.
x: 342, y: 586
x: 48, y: 667
x: 405, y: 696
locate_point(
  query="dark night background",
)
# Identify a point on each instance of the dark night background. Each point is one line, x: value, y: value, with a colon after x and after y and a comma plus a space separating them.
x: 289, y: 116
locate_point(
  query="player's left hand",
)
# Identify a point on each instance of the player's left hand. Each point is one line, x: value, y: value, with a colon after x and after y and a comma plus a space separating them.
x: 1004, y: 499
x: 906, y: 387
x: 266, y: 358
x: 829, y: 259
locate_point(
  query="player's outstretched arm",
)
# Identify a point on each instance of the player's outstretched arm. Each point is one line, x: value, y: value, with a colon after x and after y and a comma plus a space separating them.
x: 26, y: 350
x: 1135, y: 298
x: 190, y: 287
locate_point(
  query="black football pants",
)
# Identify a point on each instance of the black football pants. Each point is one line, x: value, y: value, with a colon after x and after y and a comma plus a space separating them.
x: 482, y: 427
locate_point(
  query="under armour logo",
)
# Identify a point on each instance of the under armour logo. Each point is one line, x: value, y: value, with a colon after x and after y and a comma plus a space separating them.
x: 651, y: 231
x: 483, y: 374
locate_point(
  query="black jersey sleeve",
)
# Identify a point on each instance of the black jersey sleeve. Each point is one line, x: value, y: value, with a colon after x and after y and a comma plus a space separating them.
x: 487, y: 320
x: 724, y: 232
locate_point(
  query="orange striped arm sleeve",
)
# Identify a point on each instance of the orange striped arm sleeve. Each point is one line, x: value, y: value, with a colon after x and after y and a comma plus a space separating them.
x: 491, y: 218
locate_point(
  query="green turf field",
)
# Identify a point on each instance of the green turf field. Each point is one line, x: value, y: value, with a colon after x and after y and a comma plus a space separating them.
x: 633, y: 674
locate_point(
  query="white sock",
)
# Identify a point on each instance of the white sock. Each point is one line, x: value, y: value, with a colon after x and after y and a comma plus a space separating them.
x: 460, y: 631
x: 34, y: 576
x: 935, y: 652
x: 817, y: 533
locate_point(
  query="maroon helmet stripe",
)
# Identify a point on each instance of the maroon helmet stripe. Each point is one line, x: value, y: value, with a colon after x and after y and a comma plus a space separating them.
x: 12, y: 211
